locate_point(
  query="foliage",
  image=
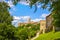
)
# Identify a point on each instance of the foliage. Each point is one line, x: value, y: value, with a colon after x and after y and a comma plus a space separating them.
x: 22, y: 33
x: 6, y: 32
x: 5, y: 17
x: 49, y: 36
x: 9, y: 32
x: 27, y: 32
x: 15, y: 1
x: 56, y: 21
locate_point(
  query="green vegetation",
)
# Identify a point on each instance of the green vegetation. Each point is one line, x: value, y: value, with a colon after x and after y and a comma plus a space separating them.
x: 27, y: 31
x: 9, y: 32
x: 49, y: 36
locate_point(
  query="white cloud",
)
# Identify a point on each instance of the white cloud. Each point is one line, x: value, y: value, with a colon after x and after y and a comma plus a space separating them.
x: 36, y: 20
x: 10, y: 3
x: 43, y: 15
x: 16, y: 18
x: 15, y: 21
x: 21, y: 17
x: 39, y: 6
x: 24, y: 2
x: 25, y: 17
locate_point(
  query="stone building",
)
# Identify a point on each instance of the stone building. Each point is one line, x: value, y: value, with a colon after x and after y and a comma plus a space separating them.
x: 21, y: 24
x: 42, y: 26
x: 49, y: 20
x: 28, y: 22
x: 49, y: 23
x: 25, y: 23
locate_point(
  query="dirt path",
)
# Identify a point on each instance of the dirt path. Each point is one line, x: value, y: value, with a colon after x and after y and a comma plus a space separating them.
x: 35, y: 36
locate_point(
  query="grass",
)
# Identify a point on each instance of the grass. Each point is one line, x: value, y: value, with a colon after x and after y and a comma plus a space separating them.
x: 49, y: 36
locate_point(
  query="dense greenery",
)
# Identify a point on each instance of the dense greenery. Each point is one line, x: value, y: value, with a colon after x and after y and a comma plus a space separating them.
x: 28, y: 31
x: 49, y: 36
x: 9, y: 32
x: 6, y: 28
x: 5, y: 16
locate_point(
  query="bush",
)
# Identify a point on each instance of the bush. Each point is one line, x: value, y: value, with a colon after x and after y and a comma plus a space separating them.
x: 6, y: 31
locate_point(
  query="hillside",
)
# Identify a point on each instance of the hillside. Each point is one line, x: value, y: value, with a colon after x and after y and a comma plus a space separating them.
x: 49, y: 36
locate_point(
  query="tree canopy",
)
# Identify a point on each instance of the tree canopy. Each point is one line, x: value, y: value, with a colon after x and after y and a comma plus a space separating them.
x: 6, y: 28
x: 5, y: 16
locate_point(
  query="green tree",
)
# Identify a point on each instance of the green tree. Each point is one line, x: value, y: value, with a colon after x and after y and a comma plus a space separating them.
x: 5, y: 16
x: 27, y: 32
x: 7, y: 30
x: 22, y: 34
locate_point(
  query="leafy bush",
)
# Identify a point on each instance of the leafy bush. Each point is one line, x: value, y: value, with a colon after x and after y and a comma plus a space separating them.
x: 27, y: 31
x: 6, y: 31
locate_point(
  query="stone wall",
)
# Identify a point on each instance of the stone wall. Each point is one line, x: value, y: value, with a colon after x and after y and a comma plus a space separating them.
x: 49, y: 23
x: 42, y: 26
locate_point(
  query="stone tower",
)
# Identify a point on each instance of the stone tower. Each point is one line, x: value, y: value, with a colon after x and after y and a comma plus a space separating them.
x: 42, y: 26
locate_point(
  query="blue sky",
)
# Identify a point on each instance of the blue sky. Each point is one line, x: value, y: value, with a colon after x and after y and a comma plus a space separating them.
x: 22, y: 11
x: 25, y: 10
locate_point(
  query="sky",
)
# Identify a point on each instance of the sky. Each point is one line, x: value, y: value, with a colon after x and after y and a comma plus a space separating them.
x: 22, y: 11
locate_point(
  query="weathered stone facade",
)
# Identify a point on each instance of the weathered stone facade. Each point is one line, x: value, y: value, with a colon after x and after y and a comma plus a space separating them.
x: 31, y: 22
x: 49, y: 23
x: 49, y: 20
x: 42, y: 26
